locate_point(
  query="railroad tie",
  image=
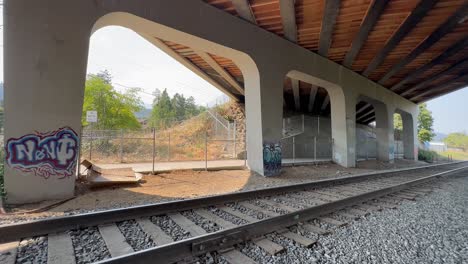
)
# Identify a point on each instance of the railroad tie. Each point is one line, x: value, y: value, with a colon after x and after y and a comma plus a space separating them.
x: 384, y: 205
x: 403, y: 196
x: 60, y: 249
x: 187, y: 224
x: 8, y: 252
x: 237, y: 257
x: 306, y: 242
x: 350, y: 216
x: 332, y: 221
x: 315, y: 229
x: 279, y: 205
x: 369, y: 207
x: 115, y: 241
x: 259, y: 209
x: 154, y: 231
x: 357, y: 211
x: 238, y: 214
x: 214, y: 218
x: 269, y: 246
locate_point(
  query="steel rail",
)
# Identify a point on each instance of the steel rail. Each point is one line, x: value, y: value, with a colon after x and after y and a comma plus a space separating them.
x: 13, y: 232
x: 228, y: 237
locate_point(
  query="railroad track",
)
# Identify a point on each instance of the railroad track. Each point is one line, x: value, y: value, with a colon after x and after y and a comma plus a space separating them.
x: 184, y: 231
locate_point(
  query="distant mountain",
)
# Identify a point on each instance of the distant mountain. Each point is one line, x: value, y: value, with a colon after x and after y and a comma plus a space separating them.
x: 439, y: 136
x: 143, y: 114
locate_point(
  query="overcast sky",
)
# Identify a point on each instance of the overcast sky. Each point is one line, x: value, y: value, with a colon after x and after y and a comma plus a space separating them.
x: 134, y: 62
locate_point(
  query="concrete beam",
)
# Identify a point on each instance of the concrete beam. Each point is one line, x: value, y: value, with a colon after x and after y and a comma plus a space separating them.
x: 410, y: 22
x: 332, y: 8
x: 367, y: 106
x: 460, y: 65
x: 373, y: 15
x: 189, y: 65
x: 226, y: 76
x: 313, y: 94
x: 244, y: 10
x: 461, y: 78
x: 325, y: 103
x: 288, y: 17
x: 297, y: 97
x: 439, y: 33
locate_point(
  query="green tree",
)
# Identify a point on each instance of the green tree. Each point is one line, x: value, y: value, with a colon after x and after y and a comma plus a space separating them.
x: 178, y: 105
x: 162, y: 112
x: 425, y: 124
x: 397, y: 122
x: 457, y: 140
x: 115, y: 110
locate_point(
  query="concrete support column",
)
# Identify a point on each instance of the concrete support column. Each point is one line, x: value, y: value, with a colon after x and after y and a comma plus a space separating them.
x: 410, y: 139
x: 343, y: 125
x: 384, y: 132
x: 45, y: 68
x: 264, y: 115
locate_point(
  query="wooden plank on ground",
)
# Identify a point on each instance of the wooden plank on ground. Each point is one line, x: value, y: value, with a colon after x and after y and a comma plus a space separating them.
x: 259, y: 209
x: 332, y: 221
x: 214, y: 218
x: 236, y: 257
x: 187, y: 224
x: 239, y: 214
x: 279, y: 205
x: 115, y: 241
x: 154, y: 231
x: 269, y: 246
x: 60, y: 249
x: 306, y: 242
x: 315, y: 229
x: 8, y: 252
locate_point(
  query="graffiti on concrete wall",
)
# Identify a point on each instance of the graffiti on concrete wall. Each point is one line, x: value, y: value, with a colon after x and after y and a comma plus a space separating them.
x: 44, y: 154
x: 271, y: 159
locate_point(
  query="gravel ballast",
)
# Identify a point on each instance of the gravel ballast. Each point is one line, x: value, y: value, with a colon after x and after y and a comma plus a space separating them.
x: 89, y: 245
x: 32, y: 250
x: 138, y: 239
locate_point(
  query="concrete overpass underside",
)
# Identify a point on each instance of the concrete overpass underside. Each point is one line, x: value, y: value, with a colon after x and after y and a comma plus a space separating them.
x: 354, y: 61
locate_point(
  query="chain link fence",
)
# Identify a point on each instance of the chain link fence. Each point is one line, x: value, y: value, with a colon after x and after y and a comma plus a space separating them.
x: 184, y: 142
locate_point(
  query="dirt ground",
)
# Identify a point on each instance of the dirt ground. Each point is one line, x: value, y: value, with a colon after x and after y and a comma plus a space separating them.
x: 179, y: 185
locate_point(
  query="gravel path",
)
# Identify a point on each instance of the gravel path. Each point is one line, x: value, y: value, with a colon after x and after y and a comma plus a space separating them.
x: 89, y: 245
x: 32, y: 250
x: 431, y: 230
x: 170, y: 227
x: 138, y: 239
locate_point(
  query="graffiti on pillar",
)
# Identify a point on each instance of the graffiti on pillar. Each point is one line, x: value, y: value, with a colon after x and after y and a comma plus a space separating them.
x: 44, y: 154
x: 271, y: 159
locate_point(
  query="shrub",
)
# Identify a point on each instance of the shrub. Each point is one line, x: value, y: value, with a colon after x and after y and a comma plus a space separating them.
x: 427, y: 155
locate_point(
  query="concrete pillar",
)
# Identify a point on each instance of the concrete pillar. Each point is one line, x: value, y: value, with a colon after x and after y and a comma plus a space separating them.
x: 45, y: 68
x: 384, y: 132
x: 264, y: 117
x: 410, y: 139
x: 343, y: 125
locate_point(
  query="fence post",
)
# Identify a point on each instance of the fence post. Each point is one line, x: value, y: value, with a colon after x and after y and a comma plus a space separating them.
x: 206, y: 150
x: 121, y: 146
x: 315, y: 148
x: 91, y: 146
x: 169, y: 147
x: 294, y: 148
x: 235, y: 138
x: 154, y: 148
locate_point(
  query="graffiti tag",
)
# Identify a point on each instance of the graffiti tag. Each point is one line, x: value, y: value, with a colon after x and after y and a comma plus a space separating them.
x: 44, y: 154
x: 271, y: 159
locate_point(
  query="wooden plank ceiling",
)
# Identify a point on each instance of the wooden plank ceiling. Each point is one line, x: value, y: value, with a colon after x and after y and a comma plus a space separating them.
x: 416, y: 48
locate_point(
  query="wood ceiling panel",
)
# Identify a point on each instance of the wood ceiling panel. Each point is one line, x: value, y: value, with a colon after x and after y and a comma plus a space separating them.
x: 267, y: 14
x: 347, y: 25
x: 391, y: 19
x: 309, y: 21
x: 225, y: 5
x: 435, y: 17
